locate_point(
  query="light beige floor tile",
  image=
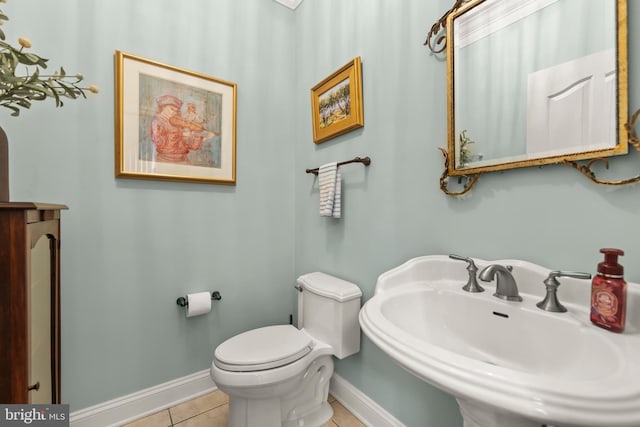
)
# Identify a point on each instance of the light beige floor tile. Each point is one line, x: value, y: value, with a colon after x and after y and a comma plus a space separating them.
x: 344, y: 418
x: 198, y: 406
x: 212, y: 410
x: 159, y: 419
x: 216, y: 417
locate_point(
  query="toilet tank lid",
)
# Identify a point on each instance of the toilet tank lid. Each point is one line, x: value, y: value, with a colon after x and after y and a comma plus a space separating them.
x: 329, y: 286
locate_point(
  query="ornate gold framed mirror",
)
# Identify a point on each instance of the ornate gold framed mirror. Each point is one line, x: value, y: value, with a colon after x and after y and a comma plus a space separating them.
x: 533, y: 82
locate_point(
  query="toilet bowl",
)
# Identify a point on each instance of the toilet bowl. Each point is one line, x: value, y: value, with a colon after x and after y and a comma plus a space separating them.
x: 279, y: 375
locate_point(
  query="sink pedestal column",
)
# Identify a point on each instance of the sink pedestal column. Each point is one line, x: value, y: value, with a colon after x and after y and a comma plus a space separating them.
x: 476, y: 414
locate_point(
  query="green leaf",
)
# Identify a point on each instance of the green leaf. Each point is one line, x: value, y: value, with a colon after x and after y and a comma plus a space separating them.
x: 35, y: 92
x: 16, y: 110
x: 20, y: 90
x: 69, y: 90
x: 28, y: 58
x: 42, y: 62
x: 54, y: 94
x: 23, y: 103
x: 13, y: 61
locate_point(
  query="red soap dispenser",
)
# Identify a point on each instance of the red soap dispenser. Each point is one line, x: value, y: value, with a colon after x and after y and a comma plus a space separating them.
x: 609, y: 293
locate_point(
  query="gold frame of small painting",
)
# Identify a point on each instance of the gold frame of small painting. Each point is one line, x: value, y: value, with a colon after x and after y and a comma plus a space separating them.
x: 336, y: 102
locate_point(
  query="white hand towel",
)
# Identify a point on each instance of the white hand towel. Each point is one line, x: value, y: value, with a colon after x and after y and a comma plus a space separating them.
x: 328, y: 183
x: 337, y: 205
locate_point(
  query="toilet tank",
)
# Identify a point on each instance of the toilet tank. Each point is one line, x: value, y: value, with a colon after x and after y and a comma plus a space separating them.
x: 330, y: 308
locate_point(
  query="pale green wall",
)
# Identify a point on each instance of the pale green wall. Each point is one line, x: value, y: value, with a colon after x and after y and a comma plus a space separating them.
x: 131, y: 247
x: 121, y: 237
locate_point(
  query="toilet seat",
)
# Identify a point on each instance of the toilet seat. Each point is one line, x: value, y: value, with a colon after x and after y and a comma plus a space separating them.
x: 263, y: 348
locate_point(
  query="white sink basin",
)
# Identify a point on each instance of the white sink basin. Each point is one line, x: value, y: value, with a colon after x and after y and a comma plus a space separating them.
x: 508, y: 363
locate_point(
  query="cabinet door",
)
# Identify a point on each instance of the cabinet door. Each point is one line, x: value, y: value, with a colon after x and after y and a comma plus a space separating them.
x: 40, y: 325
x: 29, y: 302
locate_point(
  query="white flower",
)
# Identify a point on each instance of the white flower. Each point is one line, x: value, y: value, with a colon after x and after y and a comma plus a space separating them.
x: 24, y: 42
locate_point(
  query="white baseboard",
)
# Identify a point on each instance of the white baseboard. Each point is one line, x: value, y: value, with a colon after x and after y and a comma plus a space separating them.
x: 145, y: 402
x: 359, y: 404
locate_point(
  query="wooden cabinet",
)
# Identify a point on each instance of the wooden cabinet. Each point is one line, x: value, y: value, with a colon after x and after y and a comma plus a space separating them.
x: 29, y: 302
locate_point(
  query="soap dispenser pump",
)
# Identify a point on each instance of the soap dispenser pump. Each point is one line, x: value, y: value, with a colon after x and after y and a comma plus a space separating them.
x: 609, y: 292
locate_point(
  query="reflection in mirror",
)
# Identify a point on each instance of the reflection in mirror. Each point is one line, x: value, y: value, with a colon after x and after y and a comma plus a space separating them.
x: 534, y: 82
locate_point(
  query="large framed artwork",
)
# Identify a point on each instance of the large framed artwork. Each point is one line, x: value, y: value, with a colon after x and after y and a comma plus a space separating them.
x: 173, y: 124
x: 336, y: 102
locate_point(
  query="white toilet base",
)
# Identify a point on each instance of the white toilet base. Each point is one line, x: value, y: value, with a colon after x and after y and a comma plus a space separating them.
x: 317, y: 418
x: 244, y: 412
x: 297, y: 402
x: 266, y: 413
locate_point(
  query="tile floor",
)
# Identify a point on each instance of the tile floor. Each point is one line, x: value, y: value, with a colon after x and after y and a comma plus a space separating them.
x: 212, y: 409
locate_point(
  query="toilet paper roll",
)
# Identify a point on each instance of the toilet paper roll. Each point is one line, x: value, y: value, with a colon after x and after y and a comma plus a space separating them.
x: 199, y: 303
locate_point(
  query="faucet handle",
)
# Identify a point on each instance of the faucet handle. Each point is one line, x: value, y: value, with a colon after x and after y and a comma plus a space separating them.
x: 550, y: 301
x: 472, y: 284
x: 575, y: 274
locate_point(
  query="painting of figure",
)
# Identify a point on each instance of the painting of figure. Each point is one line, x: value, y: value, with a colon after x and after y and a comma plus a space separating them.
x: 179, y: 123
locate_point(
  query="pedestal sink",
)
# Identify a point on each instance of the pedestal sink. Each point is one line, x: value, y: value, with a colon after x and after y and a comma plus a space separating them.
x: 508, y: 363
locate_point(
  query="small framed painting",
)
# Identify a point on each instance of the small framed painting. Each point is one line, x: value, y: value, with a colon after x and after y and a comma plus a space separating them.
x: 336, y: 102
x: 173, y: 124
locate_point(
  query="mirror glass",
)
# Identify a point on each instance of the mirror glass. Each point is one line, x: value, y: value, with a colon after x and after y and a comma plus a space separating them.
x: 534, y: 82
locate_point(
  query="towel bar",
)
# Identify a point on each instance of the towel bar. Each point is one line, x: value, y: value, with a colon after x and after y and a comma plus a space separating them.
x: 364, y: 160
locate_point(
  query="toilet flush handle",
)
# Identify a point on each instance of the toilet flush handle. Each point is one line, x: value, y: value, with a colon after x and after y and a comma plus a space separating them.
x: 298, y: 287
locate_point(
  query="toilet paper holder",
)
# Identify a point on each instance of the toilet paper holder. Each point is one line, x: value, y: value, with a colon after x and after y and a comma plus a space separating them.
x: 182, y: 301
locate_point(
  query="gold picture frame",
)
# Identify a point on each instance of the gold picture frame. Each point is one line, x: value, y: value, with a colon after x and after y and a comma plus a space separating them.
x: 336, y: 102
x: 173, y: 124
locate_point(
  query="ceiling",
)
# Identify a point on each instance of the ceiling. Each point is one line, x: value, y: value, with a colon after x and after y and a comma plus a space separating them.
x: 291, y: 4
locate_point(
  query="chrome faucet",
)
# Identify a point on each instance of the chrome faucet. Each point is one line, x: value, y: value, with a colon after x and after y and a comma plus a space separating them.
x: 506, y: 287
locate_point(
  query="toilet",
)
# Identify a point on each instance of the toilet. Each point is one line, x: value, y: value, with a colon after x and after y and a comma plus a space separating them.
x: 279, y: 375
